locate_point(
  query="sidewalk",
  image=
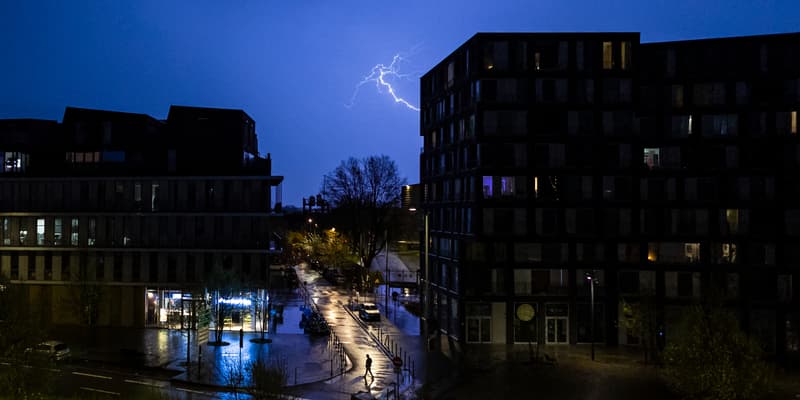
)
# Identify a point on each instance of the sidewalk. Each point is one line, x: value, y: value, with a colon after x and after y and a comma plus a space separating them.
x: 162, y: 353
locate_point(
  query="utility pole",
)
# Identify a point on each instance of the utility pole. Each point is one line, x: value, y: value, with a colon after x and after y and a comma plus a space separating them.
x: 386, y: 278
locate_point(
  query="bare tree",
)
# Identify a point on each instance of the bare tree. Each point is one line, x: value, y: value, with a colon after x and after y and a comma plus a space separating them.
x: 362, y: 193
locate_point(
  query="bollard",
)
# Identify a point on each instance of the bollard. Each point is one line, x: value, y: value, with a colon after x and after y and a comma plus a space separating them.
x: 331, y: 367
x: 413, y: 370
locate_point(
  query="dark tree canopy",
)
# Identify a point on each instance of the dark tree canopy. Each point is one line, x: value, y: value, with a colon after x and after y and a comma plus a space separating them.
x: 362, y: 193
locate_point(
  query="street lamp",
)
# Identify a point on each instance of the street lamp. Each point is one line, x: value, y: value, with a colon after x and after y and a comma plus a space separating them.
x: 592, y: 281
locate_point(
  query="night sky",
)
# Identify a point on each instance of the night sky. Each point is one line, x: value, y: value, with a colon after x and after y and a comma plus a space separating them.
x: 293, y: 65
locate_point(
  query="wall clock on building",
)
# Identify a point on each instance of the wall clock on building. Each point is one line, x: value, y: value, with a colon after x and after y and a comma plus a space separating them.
x: 525, y: 312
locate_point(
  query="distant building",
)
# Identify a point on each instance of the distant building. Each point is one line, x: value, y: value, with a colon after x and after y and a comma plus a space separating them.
x: 668, y: 170
x: 148, y: 211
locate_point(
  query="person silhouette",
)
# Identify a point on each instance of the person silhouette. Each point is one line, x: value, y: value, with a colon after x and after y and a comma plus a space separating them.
x: 369, y: 369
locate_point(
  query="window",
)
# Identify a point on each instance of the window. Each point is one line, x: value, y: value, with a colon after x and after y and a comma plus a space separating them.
x: 6, y: 231
x: 652, y: 157
x: 154, y: 196
x: 625, y: 53
x: 720, y: 125
x: 708, y: 94
x: 14, y: 161
x: 522, y: 281
x: 507, y: 185
x: 73, y: 239
x: 677, y: 96
x: 487, y: 187
x: 608, y: 55
x: 100, y: 267
x: 92, y: 236
x: 681, y: 126
x: 57, y: 232
x: 40, y: 231
x: 23, y: 231
x: 527, y: 252
x: 786, y: 123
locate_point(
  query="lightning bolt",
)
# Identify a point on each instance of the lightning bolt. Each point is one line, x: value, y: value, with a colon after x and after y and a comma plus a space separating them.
x: 379, y: 75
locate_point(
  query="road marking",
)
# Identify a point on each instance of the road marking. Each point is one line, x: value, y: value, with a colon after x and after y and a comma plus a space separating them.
x: 159, y: 384
x: 190, y: 390
x: 99, y: 391
x: 93, y: 375
x: 5, y: 363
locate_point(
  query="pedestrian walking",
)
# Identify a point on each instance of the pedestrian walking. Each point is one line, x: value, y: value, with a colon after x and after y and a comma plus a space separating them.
x: 369, y: 369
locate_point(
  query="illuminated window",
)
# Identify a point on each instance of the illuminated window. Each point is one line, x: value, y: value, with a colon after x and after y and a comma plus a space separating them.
x: 40, y: 231
x: 692, y: 252
x: 793, y: 123
x: 608, y: 55
x: 487, y: 187
x: 732, y: 219
x: 73, y: 238
x: 92, y: 236
x: 57, y: 232
x: 7, y: 231
x: 652, y: 157
x: 535, y: 186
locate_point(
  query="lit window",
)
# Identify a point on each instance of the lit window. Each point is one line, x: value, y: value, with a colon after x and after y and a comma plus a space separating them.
x: 652, y: 157
x: 692, y: 252
x: 92, y: 232
x: 608, y: 55
x: 73, y: 240
x: 794, y: 123
x: 487, y: 187
x: 535, y: 186
x: 57, y: 232
x: 40, y: 231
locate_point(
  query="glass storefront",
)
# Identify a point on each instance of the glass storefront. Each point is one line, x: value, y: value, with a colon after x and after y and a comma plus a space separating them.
x: 175, y: 309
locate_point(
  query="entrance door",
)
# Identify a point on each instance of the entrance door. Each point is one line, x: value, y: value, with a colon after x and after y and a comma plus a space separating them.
x: 479, y: 329
x: 557, y: 330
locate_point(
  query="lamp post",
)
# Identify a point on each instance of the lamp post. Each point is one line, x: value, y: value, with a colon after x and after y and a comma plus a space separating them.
x: 386, y: 278
x: 590, y: 277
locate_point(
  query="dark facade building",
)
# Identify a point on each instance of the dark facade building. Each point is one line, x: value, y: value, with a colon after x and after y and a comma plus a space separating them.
x: 666, y: 171
x: 124, y: 217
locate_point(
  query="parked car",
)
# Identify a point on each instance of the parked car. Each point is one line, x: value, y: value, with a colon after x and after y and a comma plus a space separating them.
x: 51, y: 349
x: 369, y: 312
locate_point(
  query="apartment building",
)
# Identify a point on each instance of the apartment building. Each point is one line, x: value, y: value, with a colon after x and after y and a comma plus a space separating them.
x: 664, y: 171
x: 127, y: 217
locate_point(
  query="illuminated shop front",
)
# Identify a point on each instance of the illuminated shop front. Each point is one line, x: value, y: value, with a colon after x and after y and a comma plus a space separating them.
x: 175, y: 309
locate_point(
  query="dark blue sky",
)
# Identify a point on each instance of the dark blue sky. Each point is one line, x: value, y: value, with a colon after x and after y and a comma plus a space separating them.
x: 293, y: 65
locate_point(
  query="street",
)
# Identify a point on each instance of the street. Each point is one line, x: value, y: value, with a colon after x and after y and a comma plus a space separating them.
x: 359, y: 339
